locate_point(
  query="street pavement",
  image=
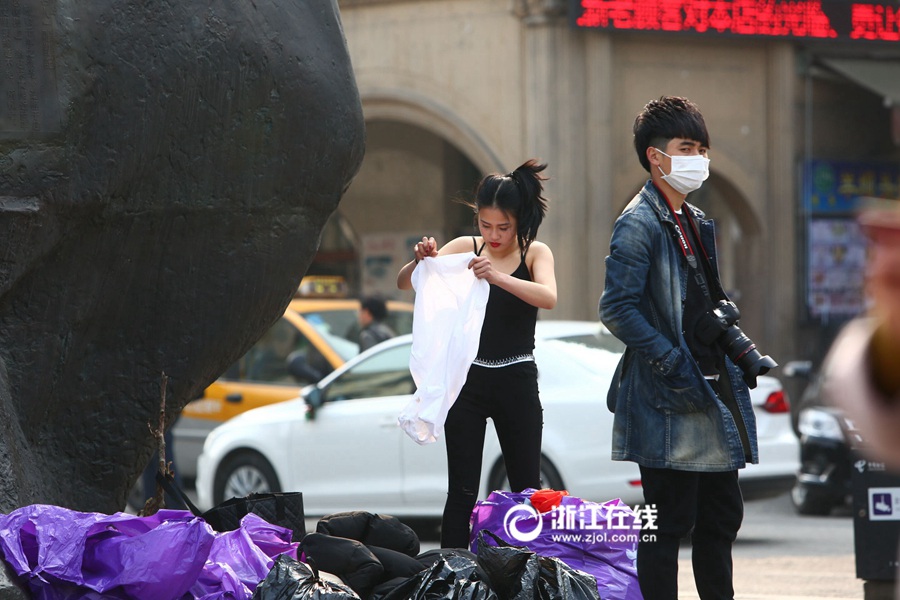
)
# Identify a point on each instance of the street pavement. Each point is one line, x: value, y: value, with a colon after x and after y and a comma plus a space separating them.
x: 785, y: 556
x: 781, y: 555
x: 785, y: 578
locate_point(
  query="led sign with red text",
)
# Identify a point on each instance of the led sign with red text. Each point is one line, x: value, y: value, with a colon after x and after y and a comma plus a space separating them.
x: 806, y: 19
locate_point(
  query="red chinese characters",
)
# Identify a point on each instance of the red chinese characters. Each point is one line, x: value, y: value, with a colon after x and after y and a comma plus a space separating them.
x: 875, y: 22
x: 770, y: 18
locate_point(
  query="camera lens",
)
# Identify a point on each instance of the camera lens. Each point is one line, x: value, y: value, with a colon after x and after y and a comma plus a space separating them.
x: 742, y: 352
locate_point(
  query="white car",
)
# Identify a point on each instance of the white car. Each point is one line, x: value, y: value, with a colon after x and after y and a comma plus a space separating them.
x: 350, y: 454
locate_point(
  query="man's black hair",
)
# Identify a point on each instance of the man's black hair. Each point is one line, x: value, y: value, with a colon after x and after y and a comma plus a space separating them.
x: 664, y: 119
x: 376, y: 307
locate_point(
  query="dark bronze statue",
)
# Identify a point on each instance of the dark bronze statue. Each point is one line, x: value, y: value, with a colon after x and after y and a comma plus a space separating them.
x: 166, y: 168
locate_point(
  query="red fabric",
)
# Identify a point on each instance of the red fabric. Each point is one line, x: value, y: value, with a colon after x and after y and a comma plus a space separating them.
x: 546, y: 499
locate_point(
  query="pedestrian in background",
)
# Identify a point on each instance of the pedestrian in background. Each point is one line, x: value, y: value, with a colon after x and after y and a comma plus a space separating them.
x: 373, y: 329
x: 682, y: 411
x: 502, y: 381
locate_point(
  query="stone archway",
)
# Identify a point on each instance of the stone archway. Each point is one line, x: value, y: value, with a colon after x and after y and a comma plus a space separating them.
x: 737, y: 231
x: 420, y: 157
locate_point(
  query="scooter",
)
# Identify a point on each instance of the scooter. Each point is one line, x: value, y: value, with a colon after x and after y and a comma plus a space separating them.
x: 826, y: 455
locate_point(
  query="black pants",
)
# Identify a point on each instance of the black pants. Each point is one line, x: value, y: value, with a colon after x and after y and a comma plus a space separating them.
x: 708, y: 506
x: 509, y: 396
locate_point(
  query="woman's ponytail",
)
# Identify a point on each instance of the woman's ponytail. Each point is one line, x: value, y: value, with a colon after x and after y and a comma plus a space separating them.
x: 520, y: 194
x: 529, y: 182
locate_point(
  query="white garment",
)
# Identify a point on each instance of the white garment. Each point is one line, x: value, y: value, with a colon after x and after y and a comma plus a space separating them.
x: 447, y: 318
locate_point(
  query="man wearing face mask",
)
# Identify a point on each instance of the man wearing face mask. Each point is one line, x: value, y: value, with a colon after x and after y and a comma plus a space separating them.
x: 682, y: 410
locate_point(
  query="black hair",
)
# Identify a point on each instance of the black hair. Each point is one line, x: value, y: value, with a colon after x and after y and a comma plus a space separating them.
x: 376, y: 307
x: 518, y: 194
x: 662, y: 120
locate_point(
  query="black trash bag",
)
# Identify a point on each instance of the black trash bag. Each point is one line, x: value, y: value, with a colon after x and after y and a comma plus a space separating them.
x: 424, y: 561
x: 428, y: 557
x: 396, y: 564
x: 383, y: 531
x: 451, y: 577
x: 289, y: 579
x: 517, y: 573
x: 350, y: 560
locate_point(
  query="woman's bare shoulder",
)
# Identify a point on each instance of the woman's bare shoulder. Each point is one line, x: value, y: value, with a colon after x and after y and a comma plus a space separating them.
x: 539, y: 249
x: 460, y: 245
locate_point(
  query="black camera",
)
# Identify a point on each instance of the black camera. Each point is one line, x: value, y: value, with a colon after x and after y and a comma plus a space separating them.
x: 720, y: 326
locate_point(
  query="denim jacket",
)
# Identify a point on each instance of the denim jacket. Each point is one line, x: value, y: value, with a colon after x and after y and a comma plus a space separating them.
x: 666, y: 414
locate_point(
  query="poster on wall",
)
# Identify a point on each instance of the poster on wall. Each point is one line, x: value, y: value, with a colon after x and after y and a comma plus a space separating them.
x: 382, y: 256
x: 836, y: 249
x: 837, y: 260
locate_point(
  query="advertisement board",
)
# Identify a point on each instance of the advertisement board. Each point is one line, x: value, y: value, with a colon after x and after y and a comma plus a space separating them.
x: 859, y: 21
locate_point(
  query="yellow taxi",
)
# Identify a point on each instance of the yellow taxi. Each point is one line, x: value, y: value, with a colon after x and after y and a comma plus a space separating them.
x: 316, y: 334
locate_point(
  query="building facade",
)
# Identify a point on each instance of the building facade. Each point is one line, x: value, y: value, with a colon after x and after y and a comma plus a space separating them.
x: 453, y: 89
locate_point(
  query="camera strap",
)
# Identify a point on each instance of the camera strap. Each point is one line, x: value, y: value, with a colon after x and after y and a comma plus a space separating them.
x: 707, y: 271
x: 701, y: 275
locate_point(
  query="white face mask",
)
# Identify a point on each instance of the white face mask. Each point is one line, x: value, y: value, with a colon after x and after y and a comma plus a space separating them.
x: 688, y: 172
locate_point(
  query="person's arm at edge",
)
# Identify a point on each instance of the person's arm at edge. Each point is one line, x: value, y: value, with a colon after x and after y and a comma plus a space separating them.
x: 851, y: 385
x: 884, y: 352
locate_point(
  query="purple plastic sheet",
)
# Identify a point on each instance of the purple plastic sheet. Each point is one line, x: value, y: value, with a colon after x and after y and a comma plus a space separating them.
x: 63, y: 554
x: 599, y: 539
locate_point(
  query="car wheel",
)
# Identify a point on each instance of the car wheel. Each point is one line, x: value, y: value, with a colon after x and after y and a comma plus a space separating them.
x: 242, y: 474
x: 549, y: 476
x: 809, y: 501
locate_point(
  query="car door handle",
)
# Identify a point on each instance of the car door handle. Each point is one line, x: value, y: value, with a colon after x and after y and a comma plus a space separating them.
x: 388, y: 422
x: 234, y: 398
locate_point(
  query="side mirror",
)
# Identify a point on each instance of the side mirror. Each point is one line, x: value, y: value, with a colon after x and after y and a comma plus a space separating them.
x: 300, y: 369
x: 313, y: 398
x: 798, y: 368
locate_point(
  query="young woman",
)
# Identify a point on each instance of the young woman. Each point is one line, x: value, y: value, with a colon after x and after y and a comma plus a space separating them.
x: 502, y: 381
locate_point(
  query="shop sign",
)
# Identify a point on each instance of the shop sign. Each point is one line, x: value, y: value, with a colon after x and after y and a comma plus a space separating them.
x: 835, y: 187
x: 871, y: 21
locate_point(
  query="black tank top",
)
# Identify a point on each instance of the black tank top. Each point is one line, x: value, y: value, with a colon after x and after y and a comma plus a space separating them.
x: 508, y: 329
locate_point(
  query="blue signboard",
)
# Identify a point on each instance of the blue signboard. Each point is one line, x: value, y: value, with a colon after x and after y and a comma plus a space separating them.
x: 836, y: 186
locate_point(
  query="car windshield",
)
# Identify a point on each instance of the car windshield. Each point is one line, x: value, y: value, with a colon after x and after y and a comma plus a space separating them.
x: 336, y: 327
x: 572, y: 360
x: 601, y: 339
x: 382, y: 374
x: 340, y: 328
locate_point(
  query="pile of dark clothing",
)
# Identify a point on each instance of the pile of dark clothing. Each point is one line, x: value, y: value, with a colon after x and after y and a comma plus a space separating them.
x: 377, y: 557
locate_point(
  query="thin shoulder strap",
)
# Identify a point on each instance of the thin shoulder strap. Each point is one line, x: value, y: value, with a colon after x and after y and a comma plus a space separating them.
x: 475, y: 247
